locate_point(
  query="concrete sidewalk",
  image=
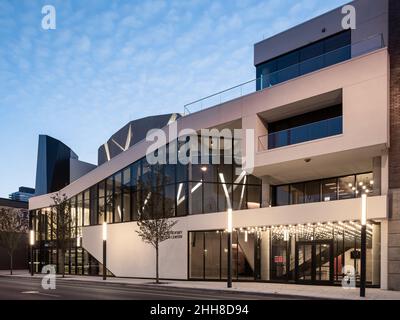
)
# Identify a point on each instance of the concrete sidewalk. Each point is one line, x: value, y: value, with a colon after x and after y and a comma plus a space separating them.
x: 324, y: 292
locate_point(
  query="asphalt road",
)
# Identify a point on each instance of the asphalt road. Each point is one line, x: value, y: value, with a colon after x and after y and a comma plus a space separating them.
x: 20, y: 288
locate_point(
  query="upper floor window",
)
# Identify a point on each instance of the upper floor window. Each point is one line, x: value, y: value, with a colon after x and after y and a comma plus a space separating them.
x: 347, y: 187
x: 315, y: 56
x: 306, y: 127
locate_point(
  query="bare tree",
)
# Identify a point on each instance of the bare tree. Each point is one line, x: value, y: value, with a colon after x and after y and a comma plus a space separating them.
x: 62, y: 227
x: 14, y: 224
x: 154, y: 232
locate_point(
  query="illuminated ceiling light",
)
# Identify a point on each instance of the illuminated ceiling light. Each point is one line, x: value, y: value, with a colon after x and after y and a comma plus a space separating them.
x: 350, y: 185
x: 354, y: 188
x: 371, y: 182
x: 204, y: 168
x: 361, y: 183
x: 367, y: 191
x: 364, y: 187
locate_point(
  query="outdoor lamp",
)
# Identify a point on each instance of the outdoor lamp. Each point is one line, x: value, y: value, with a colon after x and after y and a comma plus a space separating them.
x: 104, y: 250
x: 31, y: 237
x: 364, y: 209
x: 32, y: 243
x: 363, y: 273
x: 104, y: 231
x: 230, y: 220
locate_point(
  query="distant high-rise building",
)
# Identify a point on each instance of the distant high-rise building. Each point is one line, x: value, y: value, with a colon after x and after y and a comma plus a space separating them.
x: 23, y: 194
x: 57, y: 166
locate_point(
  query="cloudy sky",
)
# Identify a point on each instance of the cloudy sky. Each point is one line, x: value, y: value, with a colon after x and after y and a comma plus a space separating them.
x: 112, y: 61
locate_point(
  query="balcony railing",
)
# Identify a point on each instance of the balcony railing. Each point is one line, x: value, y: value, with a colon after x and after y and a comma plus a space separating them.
x: 308, y: 132
x: 330, y: 58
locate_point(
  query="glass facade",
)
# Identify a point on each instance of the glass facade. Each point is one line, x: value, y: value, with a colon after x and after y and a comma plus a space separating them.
x: 313, y: 253
x: 329, y: 189
x: 312, y: 57
x: 149, y: 191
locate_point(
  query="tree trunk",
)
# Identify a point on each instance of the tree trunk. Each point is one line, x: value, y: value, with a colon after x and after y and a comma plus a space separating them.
x: 157, y: 278
x: 63, y: 262
x: 11, y: 263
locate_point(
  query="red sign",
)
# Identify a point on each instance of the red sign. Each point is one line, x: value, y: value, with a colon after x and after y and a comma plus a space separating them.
x: 278, y: 259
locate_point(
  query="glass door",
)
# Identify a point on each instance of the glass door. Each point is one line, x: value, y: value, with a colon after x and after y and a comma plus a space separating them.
x: 314, y: 262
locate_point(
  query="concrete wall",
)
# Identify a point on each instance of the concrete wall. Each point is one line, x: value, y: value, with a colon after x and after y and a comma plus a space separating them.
x: 372, y: 16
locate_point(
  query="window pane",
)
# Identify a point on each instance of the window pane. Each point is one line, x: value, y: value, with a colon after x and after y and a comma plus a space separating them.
x: 126, y: 205
x: 239, y: 197
x: 86, y: 206
x: 135, y: 173
x: 312, y: 51
x: 288, y: 60
x: 93, y: 205
x: 157, y: 202
x: 136, y: 204
x: 365, y: 184
x: 109, y: 199
x: 170, y: 197
x: 210, y: 197
x: 253, y: 197
x: 282, y: 195
x: 127, y: 177
x: 196, y: 252
x: 118, y: 197
x: 182, y: 196
x: 329, y: 189
x: 345, y: 187
x: 297, y: 193
x: 338, y: 41
x: 312, y: 190
x: 212, y: 255
x: 197, y: 203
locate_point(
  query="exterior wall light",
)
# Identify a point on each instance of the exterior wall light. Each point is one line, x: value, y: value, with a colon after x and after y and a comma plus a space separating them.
x: 363, y: 244
x: 32, y: 243
x: 104, y: 250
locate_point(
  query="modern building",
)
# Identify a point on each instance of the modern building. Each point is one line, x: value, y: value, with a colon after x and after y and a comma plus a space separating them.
x: 124, y: 138
x: 23, y: 194
x: 57, y: 166
x: 20, y: 258
x: 323, y: 121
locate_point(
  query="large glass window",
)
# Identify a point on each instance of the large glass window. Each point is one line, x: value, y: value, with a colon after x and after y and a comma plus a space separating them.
x: 118, y: 197
x: 347, y: 187
x: 126, y: 195
x: 330, y: 189
x: 312, y: 191
x: 297, y: 193
x: 304, y: 60
x: 282, y: 195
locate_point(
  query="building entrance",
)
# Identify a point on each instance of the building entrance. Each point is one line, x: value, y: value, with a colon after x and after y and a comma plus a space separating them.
x: 314, y: 262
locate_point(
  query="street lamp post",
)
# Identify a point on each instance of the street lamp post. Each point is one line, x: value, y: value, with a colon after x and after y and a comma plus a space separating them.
x: 363, y: 244
x: 229, y: 229
x: 32, y: 243
x: 229, y: 283
x: 104, y: 250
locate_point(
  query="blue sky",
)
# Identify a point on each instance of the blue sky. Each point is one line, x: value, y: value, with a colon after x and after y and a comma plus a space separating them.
x: 111, y: 61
